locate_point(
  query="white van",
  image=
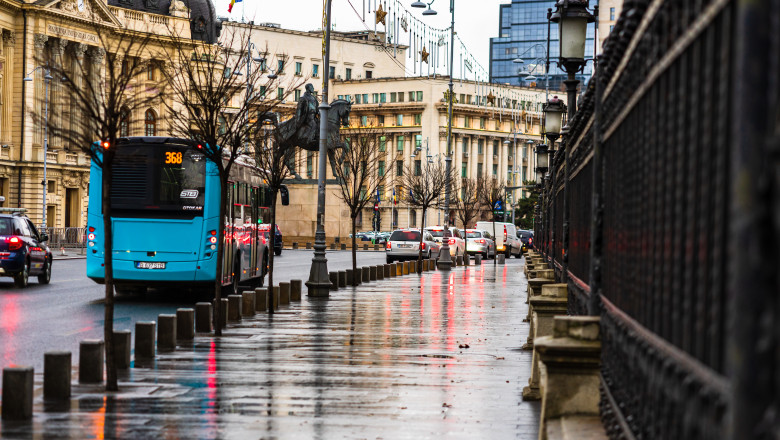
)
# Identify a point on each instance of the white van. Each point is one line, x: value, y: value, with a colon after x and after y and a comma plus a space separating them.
x: 505, y: 236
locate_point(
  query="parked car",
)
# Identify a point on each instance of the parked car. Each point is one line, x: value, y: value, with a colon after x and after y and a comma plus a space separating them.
x: 505, y: 237
x: 479, y: 241
x: 23, y: 251
x: 404, y: 244
x: 278, y: 242
x: 526, y: 238
x: 454, y: 236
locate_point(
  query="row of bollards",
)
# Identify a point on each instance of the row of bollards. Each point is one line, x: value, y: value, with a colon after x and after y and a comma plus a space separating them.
x: 150, y: 337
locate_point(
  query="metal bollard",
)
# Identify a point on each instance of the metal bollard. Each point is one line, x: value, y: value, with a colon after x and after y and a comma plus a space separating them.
x: 365, y: 247
x: 342, y: 278
x: 406, y: 268
x: 466, y: 260
x: 478, y: 259
x: 501, y: 259
x: 386, y: 271
x: 223, y: 313
x: 144, y: 340
x: 284, y: 293
x: 166, y: 332
x: 308, y: 245
x: 295, y: 245
x: 333, y: 246
x: 343, y: 246
x: 372, y: 273
x: 56, y: 375
x: 122, y: 345
x: 366, y: 274
x: 234, y: 307
x: 380, y: 272
x: 248, y: 303
x: 91, y: 361
x: 203, y: 317
x: 17, y: 393
x: 334, y: 280
x: 261, y: 299
x: 185, y: 324
x: 399, y: 269
x: 295, y: 290
x: 459, y: 259
x: 350, y: 274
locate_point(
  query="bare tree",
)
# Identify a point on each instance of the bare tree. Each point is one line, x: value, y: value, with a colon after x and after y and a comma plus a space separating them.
x: 491, y: 192
x: 425, y: 181
x: 274, y: 167
x: 361, y: 173
x: 101, y: 92
x: 467, y: 201
x: 214, y: 102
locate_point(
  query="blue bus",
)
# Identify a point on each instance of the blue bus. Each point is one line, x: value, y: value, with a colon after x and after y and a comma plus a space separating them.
x: 165, y: 212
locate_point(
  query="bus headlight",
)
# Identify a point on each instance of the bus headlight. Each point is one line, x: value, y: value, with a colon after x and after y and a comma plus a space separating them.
x: 213, y: 246
x: 91, y: 244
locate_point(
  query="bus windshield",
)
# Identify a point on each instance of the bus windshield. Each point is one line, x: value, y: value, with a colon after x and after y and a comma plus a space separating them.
x: 158, y: 179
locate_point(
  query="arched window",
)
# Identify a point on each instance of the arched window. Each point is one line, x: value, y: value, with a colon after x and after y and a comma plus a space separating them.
x: 150, y: 121
x: 124, y: 124
x: 413, y: 218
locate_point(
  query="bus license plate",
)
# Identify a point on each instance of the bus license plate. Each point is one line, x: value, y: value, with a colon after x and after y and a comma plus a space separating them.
x: 149, y: 265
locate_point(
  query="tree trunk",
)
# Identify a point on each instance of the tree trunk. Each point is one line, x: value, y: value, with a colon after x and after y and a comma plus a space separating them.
x: 108, y: 318
x: 220, y: 251
x: 495, y: 238
x: 419, y: 248
x: 271, y: 253
x: 354, y: 251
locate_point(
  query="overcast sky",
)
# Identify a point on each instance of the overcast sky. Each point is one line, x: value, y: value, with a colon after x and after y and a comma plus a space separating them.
x: 476, y: 21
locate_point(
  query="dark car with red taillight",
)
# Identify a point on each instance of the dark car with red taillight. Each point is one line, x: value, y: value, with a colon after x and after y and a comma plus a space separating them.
x: 23, y: 250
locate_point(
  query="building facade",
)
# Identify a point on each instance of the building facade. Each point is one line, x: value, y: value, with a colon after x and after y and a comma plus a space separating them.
x: 523, y: 35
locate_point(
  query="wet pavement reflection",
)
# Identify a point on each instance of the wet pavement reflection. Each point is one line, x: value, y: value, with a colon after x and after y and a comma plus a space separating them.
x: 411, y: 357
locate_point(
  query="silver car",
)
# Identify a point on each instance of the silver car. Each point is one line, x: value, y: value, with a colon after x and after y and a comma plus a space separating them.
x: 479, y: 241
x: 404, y: 244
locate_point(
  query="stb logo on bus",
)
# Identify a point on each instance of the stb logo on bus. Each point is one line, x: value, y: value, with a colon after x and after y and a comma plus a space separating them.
x: 189, y: 194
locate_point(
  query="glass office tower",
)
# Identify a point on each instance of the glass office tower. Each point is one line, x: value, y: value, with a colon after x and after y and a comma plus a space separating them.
x: 523, y: 33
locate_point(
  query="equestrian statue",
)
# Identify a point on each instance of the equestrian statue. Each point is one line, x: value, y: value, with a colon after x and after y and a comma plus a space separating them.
x: 303, y: 129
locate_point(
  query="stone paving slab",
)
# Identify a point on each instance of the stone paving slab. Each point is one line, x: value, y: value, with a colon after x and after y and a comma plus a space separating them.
x: 385, y: 360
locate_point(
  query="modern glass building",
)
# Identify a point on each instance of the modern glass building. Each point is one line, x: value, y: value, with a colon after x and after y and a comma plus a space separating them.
x: 523, y: 34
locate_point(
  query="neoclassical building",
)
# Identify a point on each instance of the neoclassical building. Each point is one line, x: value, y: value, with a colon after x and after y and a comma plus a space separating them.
x: 38, y: 34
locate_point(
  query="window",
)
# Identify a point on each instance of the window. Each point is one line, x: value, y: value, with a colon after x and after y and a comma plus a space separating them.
x: 400, y: 143
x: 280, y: 67
x: 465, y: 144
x: 349, y: 73
x: 399, y: 168
x: 495, y: 148
x: 392, y: 97
x: 150, y: 122
x: 280, y: 93
x: 382, y: 144
x: 263, y: 65
x: 297, y: 94
x: 418, y: 119
x: 418, y: 168
x: 309, y: 160
x: 369, y: 74
x: 467, y: 122
x: 419, y: 96
x: 375, y: 98
x: 383, y: 97
x: 400, y: 96
x: 358, y: 99
x: 365, y: 98
x: 315, y: 70
x: 380, y: 168
x: 363, y: 121
x: 380, y: 120
x: 363, y: 193
x: 413, y: 217
x: 150, y: 71
x: 51, y: 186
x: 399, y: 120
x: 418, y: 141
x: 411, y: 96
x: 464, y: 171
x: 480, y: 146
x: 124, y: 124
x: 262, y: 92
x: 495, y: 170
x: 482, y: 122
x: 332, y: 72
x: 611, y: 13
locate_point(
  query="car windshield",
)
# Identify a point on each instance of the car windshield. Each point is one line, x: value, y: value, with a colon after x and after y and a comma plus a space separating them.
x: 473, y: 234
x: 439, y: 233
x: 6, y: 226
x: 405, y: 236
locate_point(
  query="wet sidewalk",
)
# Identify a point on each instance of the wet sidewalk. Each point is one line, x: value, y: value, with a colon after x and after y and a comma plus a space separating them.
x: 414, y: 357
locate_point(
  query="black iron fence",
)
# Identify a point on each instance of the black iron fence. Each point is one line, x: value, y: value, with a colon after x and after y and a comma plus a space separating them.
x: 674, y: 218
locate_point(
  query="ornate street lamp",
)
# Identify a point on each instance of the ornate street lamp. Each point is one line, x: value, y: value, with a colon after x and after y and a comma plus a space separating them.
x: 553, y: 116
x: 572, y: 17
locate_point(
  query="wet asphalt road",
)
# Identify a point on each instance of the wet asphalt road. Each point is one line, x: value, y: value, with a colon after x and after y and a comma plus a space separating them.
x: 43, y: 318
x: 385, y: 360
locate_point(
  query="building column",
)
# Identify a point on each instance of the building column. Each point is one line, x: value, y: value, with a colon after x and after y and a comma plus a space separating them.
x: 77, y: 71
x: 38, y: 55
x: 6, y: 115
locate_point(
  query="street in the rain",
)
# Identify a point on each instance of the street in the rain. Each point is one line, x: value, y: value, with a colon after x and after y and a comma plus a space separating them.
x: 419, y: 356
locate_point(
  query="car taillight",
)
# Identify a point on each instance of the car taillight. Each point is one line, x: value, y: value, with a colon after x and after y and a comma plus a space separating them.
x: 531, y: 240
x: 481, y: 241
x: 388, y: 245
x: 423, y: 246
x: 91, y: 229
x: 91, y: 236
x: 14, y: 243
x: 451, y: 241
x: 504, y: 233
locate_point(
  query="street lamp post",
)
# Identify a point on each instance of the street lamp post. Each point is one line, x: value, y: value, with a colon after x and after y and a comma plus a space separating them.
x: 445, y: 259
x: 572, y: 17
x: 319, y: 280
x: 553, y: 116
x: 46, y: 76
